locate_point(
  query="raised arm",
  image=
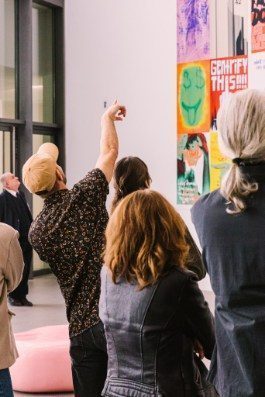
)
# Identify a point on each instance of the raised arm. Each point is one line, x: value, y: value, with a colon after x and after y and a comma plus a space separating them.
x: 109, y: 144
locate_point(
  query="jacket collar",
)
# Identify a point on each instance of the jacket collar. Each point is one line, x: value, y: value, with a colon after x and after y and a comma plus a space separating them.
x: 11, y: 192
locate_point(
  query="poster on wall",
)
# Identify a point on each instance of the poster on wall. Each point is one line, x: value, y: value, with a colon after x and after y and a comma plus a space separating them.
x: 258, y: 25
x: 193, y: 173
x: 229, y: 27
x: 193, y: 30
x: 257, y: 70
x: 193, y: 97
x: 219, y: 164
x: 228, y: 75
x: 220, y: 50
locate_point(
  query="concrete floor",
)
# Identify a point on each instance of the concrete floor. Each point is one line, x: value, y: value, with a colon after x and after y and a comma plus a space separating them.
x: 48, y: 306
x: 49, y: 309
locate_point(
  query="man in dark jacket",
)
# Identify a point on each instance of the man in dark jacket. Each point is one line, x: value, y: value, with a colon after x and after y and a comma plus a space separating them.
x: 15, y: 212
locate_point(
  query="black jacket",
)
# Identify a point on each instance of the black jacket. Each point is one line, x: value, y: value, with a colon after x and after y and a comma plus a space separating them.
x: 19, y: 218
x: 194, y: 260
x: 149, y: 335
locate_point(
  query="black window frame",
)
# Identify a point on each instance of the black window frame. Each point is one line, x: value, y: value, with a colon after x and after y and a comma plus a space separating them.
x: 23, y: 126
x: 11, y: 129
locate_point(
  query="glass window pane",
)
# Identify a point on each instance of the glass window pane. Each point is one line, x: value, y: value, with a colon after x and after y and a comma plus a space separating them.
x: 5, y: 152
x: 7, y: 59
x: 43, y: 76
x: 38, y: 140
x: 7, y: 144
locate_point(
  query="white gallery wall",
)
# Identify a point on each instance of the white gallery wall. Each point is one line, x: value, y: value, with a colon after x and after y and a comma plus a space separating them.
x: 125, y: 50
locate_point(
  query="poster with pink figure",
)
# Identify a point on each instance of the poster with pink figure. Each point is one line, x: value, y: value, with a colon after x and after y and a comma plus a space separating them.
x: 258, y: 25
x: 193, y: 30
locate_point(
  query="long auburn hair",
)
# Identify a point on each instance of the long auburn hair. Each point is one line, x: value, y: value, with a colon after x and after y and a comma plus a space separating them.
x: 130, y: 174
x: 145, y: 238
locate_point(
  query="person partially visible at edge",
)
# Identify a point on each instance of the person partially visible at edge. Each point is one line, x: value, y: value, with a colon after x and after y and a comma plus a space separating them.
x: 151, y: 306
x: 69, y: 235
x: 15, y: 212
x: 131, y: 174
x: 11, y: 270
x: 230, y: 223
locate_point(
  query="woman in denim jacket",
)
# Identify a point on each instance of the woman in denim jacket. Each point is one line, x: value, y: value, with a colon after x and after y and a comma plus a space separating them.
x: 151, y: 306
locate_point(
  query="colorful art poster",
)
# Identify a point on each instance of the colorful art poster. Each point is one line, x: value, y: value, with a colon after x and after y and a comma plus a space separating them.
x: 193, y: 30
x: 230, y: 23
x: 228, y: 75
x: 258, y: 25
x: 193, y: 173
x: 257, y: 70
x: 193, y: 97
x: 219, y: 164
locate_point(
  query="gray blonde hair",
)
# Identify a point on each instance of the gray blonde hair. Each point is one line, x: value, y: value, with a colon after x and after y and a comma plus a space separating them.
x: 241, y: 125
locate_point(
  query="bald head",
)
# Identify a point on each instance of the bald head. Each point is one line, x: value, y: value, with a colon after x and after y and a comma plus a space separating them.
x: 5, y: 177
x: 10, y: 181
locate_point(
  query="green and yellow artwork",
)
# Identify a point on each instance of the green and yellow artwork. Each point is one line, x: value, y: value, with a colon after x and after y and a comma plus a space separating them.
x: 193, y: 97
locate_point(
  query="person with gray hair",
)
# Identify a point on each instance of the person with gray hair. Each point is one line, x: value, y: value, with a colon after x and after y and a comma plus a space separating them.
x: 230, y: 223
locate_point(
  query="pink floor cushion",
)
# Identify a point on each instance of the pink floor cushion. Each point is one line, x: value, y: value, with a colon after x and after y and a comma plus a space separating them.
x: 44, y: 363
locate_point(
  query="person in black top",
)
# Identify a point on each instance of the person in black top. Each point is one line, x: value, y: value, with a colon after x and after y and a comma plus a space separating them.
x: 15, y: 212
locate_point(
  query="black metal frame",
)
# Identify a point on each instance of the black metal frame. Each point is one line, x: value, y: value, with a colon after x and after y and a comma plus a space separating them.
x: 51, y: 3
x: 10, y: 129
x: 24, y: 126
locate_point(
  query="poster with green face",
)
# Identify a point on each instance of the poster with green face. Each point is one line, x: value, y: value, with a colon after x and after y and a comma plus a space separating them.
x: 193, y: 97
x: 192, y: 93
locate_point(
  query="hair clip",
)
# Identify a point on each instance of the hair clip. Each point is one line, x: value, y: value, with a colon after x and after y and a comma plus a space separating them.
x: 238, y: 161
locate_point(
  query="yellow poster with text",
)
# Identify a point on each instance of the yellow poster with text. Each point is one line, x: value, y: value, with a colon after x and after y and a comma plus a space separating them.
x: 219, y: 164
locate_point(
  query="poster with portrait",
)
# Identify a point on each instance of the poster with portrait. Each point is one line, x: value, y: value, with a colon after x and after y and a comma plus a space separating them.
x: 227, y: 75
x: 193, y: 30
x: 193, y: 97
x: 193, y: 173
x: 219, y: 164
x: 258, y: 25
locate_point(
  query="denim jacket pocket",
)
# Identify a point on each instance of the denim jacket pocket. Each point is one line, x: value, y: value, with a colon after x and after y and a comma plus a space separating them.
x: 116, y: 387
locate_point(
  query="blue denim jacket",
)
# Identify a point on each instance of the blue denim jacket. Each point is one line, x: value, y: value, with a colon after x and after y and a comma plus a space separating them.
x: 149, y: 336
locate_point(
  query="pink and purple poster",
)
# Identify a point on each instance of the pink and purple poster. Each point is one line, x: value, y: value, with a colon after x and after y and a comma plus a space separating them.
x: 193, y: 30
